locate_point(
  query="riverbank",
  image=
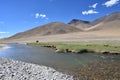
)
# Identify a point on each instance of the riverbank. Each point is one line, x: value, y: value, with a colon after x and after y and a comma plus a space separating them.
x: 17, y: 70
x: 98, y: 70
x: 76, y: 47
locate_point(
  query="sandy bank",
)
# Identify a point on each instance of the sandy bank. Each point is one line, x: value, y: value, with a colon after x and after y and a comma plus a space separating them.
x: 16, y: 70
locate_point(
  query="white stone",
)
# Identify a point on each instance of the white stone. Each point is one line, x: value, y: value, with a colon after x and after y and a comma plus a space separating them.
x: 17, y: 70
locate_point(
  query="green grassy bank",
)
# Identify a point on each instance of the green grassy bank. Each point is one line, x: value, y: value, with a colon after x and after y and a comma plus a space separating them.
x: 77, y: 47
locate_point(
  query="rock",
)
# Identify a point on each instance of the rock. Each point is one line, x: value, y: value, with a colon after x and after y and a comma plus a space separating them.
x: 58, y: 51
x: 17, y: 70
x: 74, y: 51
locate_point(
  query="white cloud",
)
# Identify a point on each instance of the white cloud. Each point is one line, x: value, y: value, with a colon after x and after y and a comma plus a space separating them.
x: 89, y: 12
x: 43, y: 16
x: 111, y: 3
x: 37, y: 15
x: 3, y: 32
x: 94, y: 5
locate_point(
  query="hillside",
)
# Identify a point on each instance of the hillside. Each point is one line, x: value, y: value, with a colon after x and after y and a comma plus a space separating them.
x: 48, y: 29
x: 107, y: 18
x: 107, y: 23
x: 107, y: 27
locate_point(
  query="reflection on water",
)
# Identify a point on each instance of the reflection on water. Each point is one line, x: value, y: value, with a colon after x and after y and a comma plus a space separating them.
x: 47, y: 56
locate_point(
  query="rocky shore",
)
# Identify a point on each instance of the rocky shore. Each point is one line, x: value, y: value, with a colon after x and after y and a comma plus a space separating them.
x: 98, y: 70
x: 17, y: 70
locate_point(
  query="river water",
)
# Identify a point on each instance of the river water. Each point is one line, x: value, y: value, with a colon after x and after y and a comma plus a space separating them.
x: 48, y: 57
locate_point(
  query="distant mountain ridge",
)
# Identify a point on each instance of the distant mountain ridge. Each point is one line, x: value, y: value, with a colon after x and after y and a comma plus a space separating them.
x: 80, y: 24
x: 108, y: 25
x: 87, y: 24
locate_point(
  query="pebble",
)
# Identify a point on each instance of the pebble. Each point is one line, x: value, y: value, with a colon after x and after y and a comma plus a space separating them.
x: 17, y: 70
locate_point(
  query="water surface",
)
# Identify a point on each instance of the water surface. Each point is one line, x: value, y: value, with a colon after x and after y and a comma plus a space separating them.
x: 48, y: 57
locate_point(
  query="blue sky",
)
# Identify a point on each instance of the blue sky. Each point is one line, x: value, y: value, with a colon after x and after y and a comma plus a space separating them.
x: 20, y: 15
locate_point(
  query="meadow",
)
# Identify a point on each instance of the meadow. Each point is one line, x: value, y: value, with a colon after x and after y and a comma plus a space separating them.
x: 80, y: 47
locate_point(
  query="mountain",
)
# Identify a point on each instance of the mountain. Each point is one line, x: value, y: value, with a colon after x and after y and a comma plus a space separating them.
x: 105, y: 27
x: 80, y: 24
x: 108, y: 22
x: 107, y: 18
x: 93, y: 25
x: 48, y: 29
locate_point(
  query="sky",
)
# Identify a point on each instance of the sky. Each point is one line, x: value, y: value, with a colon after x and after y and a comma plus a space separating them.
x: 21, y: 15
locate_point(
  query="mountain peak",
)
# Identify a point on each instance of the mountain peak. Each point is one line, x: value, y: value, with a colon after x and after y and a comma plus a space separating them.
x: 80, y: 24
x: 78, y: 21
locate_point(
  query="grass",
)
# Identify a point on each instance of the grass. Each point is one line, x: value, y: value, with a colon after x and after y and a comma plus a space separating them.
x: 77, y: 47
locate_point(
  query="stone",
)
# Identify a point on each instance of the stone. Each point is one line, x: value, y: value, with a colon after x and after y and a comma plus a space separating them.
x: 17, y: 70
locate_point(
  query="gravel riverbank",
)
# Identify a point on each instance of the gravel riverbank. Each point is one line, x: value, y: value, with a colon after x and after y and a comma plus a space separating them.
x: 98, y: 70
x: 17, y: 70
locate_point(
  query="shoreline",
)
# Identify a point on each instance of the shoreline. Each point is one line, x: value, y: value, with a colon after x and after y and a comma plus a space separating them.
x: 17, y: 70
x: 78, y: 48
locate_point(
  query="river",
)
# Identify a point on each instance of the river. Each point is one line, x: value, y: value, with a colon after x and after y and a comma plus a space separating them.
x: 48, y: 57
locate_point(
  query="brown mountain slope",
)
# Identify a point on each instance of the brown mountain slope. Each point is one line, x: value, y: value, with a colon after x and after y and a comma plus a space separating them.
x: 107, y: 18
x: 110, y: 22
x: 48, y: 29
x: 107, y: 27
x: 110, y: 26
